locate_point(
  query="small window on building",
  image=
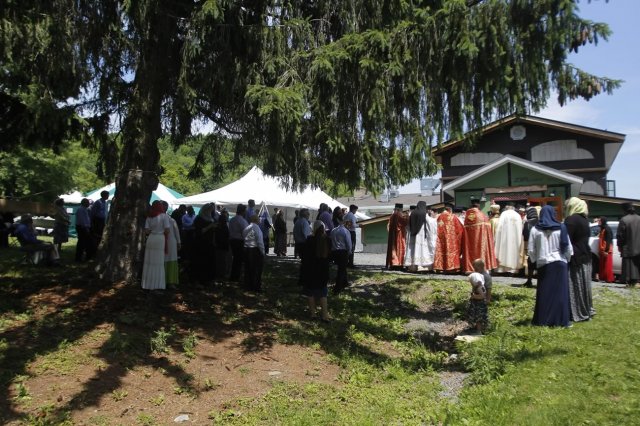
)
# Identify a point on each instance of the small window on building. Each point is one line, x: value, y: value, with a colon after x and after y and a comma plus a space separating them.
x: 611, y: 188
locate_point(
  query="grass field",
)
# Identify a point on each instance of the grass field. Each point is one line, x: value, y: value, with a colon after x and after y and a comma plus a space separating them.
x: 74, y: 350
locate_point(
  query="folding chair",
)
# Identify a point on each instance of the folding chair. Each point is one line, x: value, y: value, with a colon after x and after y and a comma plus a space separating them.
x: 34, y: 254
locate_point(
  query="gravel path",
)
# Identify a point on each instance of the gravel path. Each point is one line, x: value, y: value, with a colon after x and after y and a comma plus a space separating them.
x: 372, y: 261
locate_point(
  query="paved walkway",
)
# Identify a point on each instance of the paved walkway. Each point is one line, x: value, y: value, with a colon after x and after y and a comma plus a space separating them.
x: 376, y: 262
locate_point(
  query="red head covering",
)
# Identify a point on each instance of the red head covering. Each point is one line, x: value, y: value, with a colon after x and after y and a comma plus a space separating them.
x: 156, y: 209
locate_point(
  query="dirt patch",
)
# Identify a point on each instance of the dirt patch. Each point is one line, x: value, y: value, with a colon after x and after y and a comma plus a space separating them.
x: 216, y: 379
x: 85, y: 353
x: 114, y: 354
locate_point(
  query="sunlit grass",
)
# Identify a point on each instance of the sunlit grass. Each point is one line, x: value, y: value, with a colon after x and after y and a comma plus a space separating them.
x: 516, y: 374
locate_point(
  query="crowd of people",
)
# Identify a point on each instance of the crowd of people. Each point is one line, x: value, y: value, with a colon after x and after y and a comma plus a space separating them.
x: 90, y: 222
x: 515, y: 241
x: 212, y: 247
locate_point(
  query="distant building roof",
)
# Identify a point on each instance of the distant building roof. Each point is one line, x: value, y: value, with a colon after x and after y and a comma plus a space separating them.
x: 375, y: 207
x: 539, y: 121
x: 514, y: 160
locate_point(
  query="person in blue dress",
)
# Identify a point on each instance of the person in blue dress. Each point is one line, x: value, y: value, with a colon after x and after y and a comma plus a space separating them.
x: 551, y: 250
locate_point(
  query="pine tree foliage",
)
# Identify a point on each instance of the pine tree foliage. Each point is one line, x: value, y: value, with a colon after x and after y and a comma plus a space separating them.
x: 356, y: 90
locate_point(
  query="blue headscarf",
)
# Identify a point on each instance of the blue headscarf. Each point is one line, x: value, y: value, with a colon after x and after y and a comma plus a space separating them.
x: 548, y: 222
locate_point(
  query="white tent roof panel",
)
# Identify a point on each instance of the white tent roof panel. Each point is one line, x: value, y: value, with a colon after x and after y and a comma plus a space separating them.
x: 263, y: 189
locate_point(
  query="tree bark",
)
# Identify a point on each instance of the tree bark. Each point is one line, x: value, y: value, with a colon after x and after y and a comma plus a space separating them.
x: 120, y: 252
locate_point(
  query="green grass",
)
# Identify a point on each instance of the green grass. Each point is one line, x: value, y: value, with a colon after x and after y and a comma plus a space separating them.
x: 516, y: 375
x: 585, y: 375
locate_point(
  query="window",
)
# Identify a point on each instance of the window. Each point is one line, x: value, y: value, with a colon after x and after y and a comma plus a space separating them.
x: 611, y: 188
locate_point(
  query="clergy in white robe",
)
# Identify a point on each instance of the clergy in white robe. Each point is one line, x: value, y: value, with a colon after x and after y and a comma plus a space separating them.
x: 423, y: 234
x: 508, y: 241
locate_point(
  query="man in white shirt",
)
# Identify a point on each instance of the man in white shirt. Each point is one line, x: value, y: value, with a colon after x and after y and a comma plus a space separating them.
x: 253, y: 255
x: 99, y: 211
x: 301, y: 230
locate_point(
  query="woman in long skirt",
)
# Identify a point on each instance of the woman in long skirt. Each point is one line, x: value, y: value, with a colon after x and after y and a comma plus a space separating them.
x: 157, y: 228
x: 280, y: 234
x: 580, y: 265
x: 550, y: 249
x: 204, y: 255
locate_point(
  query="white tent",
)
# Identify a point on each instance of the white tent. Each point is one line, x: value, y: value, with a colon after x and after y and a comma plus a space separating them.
x: 263, y: 189
x: 72, y: 197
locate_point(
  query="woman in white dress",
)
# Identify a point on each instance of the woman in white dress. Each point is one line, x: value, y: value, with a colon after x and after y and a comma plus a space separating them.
x: 157, y: 228
x: 171, y: 268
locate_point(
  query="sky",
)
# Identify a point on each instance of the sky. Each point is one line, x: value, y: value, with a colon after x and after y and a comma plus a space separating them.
x: 617, y: 58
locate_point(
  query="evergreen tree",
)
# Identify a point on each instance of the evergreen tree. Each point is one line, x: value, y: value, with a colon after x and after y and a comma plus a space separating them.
x: 355, y: 90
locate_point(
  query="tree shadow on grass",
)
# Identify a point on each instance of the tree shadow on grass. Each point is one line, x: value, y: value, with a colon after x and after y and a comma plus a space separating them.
x: 278, y: 315
x: 361, y: 313
x: 60, y: 306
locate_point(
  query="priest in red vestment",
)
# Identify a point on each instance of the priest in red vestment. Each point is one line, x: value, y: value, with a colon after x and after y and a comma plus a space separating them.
x: 449, y: 242
x: 396, y: 243
x: 478, y: 239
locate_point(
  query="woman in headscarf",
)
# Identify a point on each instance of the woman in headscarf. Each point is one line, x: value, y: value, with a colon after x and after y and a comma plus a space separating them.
x: 580, y: 266
x: 157, y: 228
x: 549, y: 247
x: 324, y: 214
x: 280, y: 234
x: 605, y: 252
x: 204, y: 263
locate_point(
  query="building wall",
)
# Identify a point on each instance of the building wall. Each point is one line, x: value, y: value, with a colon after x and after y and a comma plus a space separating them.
x: 554, y: 148
x: 610, y: 210
x: 374, y: 237
x: 502, y: 177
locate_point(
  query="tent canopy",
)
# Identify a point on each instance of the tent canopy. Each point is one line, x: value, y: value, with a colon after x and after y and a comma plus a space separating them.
x: 161, y: 193
x: 263, y: 189
x: 72, y: 197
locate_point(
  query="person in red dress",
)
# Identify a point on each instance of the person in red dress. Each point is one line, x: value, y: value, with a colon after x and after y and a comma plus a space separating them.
x: 396, y: 242
x: 477, y: 242
x: 449, y: 242
x: 605, y: 252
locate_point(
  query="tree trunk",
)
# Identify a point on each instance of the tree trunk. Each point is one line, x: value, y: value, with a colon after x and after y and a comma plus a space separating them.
x: 120, y: 252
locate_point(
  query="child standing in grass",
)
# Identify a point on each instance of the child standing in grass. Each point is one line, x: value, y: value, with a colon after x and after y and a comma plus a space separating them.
x: 478, y: 314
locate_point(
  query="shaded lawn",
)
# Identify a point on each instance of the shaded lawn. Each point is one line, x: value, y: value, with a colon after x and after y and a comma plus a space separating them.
x: 518, y: 374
